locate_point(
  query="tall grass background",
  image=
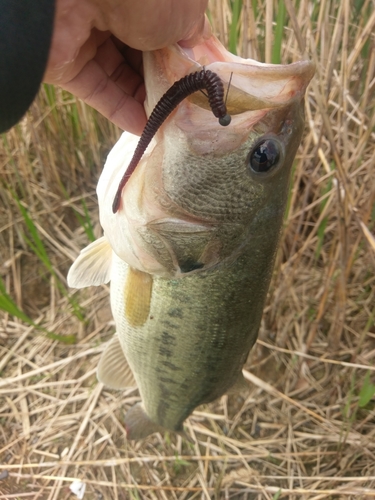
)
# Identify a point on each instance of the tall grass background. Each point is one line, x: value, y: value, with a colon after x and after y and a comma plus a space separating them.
x: 305, y: 429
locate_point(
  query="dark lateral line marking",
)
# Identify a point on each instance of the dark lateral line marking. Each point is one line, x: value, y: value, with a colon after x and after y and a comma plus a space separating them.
x: 200, y: 80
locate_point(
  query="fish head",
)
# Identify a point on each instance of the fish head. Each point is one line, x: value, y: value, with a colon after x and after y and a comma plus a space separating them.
x: 203, y: 190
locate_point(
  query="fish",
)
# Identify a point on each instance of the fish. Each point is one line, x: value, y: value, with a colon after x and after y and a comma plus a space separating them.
x: 190, y: 251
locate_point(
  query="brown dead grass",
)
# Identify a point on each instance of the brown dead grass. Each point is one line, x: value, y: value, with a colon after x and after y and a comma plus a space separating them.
x: 299, y: 430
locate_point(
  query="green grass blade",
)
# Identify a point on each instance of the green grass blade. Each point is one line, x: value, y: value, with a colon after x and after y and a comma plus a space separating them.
x: 320, y: 234
x: 9, y: 306
x: 290, y: 192
x: 277, y: 43
x: 85, y: 222
x: 234, y: 32
x: 35, y: 243
x: 277, y: 495
x: 367, y: 391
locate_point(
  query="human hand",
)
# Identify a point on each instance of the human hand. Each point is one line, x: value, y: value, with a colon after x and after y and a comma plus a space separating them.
x: 96, y: 49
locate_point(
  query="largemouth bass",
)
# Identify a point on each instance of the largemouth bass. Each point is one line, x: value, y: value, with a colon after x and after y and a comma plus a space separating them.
x: 191, y: 249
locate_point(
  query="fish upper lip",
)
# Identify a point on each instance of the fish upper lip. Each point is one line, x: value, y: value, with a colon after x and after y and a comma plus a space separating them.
x: 254, y: 85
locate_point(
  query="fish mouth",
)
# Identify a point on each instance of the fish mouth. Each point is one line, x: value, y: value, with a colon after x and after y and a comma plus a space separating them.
x: 252, y: 85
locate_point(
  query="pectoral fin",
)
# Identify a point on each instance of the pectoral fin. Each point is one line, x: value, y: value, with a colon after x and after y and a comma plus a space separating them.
x: 113, y: 369
x: 93, y: 265
x: 138, y: 290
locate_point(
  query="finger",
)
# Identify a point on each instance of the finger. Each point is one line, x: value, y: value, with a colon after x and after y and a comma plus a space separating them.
x: 202, y: 31
x: 68, y: 56
x: 96, y: 88
x: 120, y: 70
x: 108, y: 56
x: 153, y: 24
x: 134, y: 57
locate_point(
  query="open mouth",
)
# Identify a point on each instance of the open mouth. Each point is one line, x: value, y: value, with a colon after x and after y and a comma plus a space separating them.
x: 252, y: 85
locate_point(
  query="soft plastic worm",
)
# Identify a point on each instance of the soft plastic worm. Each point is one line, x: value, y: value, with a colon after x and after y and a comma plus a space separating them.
x: 200, y: 80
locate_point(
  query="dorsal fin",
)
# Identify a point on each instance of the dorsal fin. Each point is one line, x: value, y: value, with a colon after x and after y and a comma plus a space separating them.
x: 113, y: 369
x: 93, y: 265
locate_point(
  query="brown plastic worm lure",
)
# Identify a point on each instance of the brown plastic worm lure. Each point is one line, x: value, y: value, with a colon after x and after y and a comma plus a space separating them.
x: 200, y: 80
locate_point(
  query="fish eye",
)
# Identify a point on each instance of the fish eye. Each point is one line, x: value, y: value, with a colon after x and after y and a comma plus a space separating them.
x: 264, y: 155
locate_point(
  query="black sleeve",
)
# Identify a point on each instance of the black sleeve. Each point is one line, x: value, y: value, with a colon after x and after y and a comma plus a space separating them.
x: 25, y: 38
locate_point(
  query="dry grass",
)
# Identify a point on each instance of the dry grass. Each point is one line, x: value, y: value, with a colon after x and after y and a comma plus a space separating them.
x: 304, y: 429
